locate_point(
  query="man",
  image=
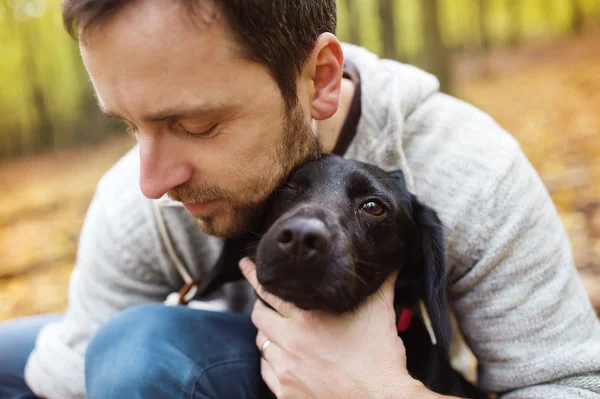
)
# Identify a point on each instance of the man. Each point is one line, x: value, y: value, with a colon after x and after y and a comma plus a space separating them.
x: 225, y: 97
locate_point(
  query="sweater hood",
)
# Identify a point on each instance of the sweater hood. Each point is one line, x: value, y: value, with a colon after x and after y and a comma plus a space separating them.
x: 390, y: 92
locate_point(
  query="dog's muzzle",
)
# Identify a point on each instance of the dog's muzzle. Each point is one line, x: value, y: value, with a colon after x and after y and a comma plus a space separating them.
x: 303, y: 238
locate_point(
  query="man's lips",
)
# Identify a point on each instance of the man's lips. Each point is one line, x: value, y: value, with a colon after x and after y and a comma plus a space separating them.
x: 197, y: 208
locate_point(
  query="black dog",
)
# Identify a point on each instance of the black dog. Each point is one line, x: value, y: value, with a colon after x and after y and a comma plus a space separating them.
x: 332, y: 234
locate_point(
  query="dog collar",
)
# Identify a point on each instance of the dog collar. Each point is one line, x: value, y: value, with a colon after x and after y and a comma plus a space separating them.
x: 406, y: 315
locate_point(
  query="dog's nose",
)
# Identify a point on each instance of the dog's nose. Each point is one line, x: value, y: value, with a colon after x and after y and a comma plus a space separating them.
x: 304, y: 238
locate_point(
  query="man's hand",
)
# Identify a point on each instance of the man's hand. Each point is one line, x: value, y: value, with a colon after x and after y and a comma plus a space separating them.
x: 314, y: 354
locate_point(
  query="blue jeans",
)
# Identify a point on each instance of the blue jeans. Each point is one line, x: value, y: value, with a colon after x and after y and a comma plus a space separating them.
x: 156, y: 351
x: 17, y: 338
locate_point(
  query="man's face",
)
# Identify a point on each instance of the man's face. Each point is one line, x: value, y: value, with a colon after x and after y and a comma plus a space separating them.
x: 212, y: 126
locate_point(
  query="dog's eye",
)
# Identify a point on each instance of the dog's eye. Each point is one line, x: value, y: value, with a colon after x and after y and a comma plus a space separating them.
x: 373, y: 208
x: 291, y: 186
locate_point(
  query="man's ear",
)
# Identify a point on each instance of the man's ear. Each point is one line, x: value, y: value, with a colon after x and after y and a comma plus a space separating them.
x: 429, y: 257
x: 323, y: 73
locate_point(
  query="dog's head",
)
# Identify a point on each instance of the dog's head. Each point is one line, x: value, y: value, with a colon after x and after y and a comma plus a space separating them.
x: 337, y: 228
x: 333, y: 233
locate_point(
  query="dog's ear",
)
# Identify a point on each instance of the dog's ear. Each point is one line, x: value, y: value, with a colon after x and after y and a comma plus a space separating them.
x: 398, y: 175
x: 429, y: 257
x: 427, y: 264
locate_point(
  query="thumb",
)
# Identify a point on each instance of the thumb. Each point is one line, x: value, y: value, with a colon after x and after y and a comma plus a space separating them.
x: 248, y: 268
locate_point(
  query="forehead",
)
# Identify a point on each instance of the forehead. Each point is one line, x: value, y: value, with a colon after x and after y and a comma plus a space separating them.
x: 160, y: 31
x: 154, y: 51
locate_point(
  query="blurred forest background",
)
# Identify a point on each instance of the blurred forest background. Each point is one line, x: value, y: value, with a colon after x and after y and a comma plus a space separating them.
x: 534, y: 65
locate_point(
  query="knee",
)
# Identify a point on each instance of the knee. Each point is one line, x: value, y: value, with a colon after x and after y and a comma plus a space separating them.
x: 155, y: 348
x: 118, y: 332
x: 120, y: 360
x: 156, y: 325
x: 136, y: 325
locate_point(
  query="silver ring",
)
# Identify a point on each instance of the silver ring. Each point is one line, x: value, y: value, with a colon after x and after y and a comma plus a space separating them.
x: 264, y: 347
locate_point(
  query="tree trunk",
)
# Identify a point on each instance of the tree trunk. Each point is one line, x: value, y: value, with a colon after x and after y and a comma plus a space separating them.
x: 514, y: 10
x: 45, y: 128
x: 435, y: 56
x: 16, y: 147
x: 484, y: 39
x: 353, y: 23
x: 387, y: 15
x: 45, y: 133
x: 578, y: 16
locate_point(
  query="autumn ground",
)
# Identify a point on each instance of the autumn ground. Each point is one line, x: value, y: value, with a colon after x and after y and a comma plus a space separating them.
x: 547, y: 96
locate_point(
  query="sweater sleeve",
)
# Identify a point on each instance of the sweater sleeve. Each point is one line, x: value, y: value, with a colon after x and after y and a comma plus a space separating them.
x: 116, y: 268
x: 519, y: 299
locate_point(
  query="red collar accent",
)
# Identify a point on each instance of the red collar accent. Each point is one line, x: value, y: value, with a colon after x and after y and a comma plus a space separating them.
x: 404, y: 320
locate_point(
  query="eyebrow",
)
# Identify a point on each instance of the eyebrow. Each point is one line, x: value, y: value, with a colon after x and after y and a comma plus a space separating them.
x: 172, y: 113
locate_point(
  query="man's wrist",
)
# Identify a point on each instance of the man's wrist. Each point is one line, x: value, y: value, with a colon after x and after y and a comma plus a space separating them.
x: 404, y: 387
x: 410, y: 388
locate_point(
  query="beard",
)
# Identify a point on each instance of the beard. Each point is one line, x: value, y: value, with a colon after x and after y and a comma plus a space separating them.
x: 237, y: 211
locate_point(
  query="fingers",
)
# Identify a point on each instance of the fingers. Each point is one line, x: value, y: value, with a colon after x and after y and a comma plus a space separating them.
x: 379, y: 308
x: 269, y: 377
x: 271, y: 354
x: 248, y: 269
x: 271, y: 323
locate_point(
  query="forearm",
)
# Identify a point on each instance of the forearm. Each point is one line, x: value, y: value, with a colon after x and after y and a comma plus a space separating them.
x: 521, y: 306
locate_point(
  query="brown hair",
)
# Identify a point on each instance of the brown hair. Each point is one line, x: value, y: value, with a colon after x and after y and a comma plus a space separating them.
x: 279, y: 34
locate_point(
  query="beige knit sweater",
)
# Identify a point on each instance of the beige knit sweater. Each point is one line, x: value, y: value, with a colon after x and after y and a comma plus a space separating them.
x: 513, y: 285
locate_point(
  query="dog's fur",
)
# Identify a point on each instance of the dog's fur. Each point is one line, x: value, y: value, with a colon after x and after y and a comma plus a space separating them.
x: 332, y: 234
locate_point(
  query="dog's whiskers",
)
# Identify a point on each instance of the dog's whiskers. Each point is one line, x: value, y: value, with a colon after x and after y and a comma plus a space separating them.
x: 367, y: 262
x: 251, y: 232
x: 370, y: 266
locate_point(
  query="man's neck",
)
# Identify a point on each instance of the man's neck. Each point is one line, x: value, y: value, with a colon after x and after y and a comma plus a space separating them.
x: 328, y: 130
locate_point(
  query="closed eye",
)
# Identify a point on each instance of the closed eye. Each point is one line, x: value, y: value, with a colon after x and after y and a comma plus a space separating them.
x: 133, y: 131
x: 195, y: 135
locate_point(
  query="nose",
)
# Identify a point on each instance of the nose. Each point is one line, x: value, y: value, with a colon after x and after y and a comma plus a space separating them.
x: 161, y: 168
x: 304, y: 238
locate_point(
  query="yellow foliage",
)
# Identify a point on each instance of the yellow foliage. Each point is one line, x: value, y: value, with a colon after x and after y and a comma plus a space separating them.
x: 38, y: 63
